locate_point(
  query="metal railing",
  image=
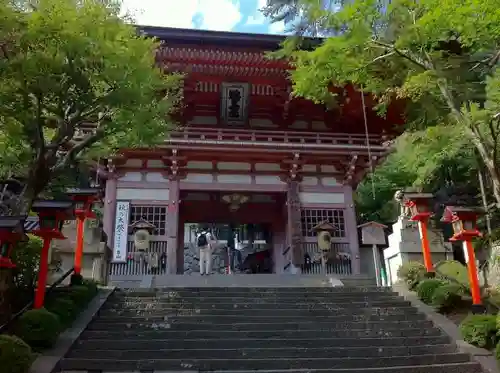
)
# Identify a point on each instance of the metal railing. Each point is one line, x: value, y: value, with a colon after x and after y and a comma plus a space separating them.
x: 5, y: 327
x: 153, y: 261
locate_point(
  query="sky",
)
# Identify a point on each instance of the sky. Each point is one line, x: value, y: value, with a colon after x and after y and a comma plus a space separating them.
x: 217, y: 15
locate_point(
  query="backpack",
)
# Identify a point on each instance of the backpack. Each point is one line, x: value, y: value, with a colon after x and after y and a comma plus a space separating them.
x: 202, y: 240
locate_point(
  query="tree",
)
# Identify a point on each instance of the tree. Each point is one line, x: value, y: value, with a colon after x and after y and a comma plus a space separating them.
x: 77, y: 81
x: 440, y: 57
x: 437, y: 159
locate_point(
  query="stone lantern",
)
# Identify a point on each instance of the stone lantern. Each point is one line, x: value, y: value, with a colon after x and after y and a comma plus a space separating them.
x: 324, y: 234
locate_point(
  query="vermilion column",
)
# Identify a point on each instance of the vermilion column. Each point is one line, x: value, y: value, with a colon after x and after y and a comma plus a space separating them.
x: 472, y: 272
x: 42, y: 273
x: 426, y: 251
x: 80, y: 225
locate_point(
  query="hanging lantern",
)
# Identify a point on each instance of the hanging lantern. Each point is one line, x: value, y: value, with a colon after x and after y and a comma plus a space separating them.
x: 11, y: 232
x: 463, y: 221
x: 419, y: 205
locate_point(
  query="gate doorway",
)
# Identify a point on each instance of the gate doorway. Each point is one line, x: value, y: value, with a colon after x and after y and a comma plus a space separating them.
x: 258, y: 223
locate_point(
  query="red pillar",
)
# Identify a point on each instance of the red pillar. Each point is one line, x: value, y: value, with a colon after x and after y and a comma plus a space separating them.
x: 80, y: 222
x: 42, y: 273
x: 472, y: 270
x: 426, y: 250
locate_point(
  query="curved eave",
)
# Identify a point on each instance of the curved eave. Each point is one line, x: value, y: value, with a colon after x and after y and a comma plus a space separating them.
x: 237, y: 39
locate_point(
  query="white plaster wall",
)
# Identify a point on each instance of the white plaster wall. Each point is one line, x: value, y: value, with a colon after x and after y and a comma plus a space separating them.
x: 199, y: 178
x: 234, y: 166
x: 131, y: 176
x: 142, y: 194
x: 156, y: 177
x: 327, y: 198
x: 234, y: 179
x: 269, y: 180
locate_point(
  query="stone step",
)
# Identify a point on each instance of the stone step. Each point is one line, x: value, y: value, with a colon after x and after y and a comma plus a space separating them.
x: 223, y: 292
x: 225, y: 319
x: 165, y: 344
x: 314, y: 310
x: 263, y: 325
x: 302, y: 362
x: 262, y: 353
x: 231, y: 334
x: 256, y: 303
x: 192, y: 291
x: 242, y: 313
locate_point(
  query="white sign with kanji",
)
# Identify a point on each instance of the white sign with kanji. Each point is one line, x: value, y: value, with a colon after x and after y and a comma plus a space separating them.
x: 121, y: 232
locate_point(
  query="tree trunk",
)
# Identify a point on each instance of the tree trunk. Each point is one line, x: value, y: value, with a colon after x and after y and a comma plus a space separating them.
x: 489, y: 162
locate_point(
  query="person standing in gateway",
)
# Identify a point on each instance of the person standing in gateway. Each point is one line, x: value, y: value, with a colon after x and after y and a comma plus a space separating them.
x: 204, y: 241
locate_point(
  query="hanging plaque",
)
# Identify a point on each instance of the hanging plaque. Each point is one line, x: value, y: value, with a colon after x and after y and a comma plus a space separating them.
x: 121, y: 232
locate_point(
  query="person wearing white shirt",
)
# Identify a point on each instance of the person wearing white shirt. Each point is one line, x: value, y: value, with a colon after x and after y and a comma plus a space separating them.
x: 205, y: 241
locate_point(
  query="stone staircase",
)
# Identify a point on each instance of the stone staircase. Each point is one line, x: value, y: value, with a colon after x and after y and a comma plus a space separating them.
x: 279, y: 329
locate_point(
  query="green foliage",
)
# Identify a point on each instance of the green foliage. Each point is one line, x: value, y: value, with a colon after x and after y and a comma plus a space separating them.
x: 411, y: 273
x: 426, y: 288
x: 67, y: 63
x: 480, y: 330
x: 26, y: 257
x: 64, y: 308
x: 497, y: 352
x: 15, y: 355
x: 455, y: 271
x: 39, y: 328
x: 440, y: 59
x: 80, y: 295
x: 447, y: 297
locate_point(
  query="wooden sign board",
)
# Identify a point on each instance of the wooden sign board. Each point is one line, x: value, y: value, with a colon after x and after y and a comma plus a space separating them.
x: 373, y: 233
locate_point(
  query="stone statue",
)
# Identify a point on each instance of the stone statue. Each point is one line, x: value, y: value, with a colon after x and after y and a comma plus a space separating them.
x: 404, y: 211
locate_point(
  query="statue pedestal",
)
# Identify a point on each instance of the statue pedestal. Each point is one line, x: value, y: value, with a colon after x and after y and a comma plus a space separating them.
x: 405, y: 246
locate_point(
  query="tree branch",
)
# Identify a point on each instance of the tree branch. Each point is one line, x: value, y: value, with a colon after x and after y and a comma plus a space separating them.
x: 405, y: 54
x: 77, y: 148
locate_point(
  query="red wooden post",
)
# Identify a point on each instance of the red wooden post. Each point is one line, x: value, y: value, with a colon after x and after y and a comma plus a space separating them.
x: 426, y: 249
x: 463, y: 221
x: 42, y: 273
x: 419, y: 204
x: 80, y: 223
x: 84, y: 199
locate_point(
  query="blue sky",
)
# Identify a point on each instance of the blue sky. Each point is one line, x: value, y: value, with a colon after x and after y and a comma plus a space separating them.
x: 219, y: 15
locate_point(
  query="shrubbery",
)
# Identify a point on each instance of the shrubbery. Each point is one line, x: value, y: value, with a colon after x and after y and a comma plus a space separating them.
x: 447, y: 297
x: 412, y: 273
x: 15, y: 355
x: 480, y: 330
x: 40, y: 328
x: 425, y: 289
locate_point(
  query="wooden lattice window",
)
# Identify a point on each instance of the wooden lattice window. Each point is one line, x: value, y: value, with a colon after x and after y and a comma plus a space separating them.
x: 312, y: 217
x: 152, y: 214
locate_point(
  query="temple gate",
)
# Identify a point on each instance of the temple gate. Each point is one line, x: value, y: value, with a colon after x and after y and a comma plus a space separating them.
x: 242, y: 133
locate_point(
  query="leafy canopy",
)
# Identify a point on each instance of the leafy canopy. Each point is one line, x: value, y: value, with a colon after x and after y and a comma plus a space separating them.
x: 65, y: 64
x: 440, y: 57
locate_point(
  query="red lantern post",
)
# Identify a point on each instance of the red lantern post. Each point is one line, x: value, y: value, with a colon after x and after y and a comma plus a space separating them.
x: 463, y: 221
x: 419, y: 205
x: 84, y: 200
x: 51, y: 217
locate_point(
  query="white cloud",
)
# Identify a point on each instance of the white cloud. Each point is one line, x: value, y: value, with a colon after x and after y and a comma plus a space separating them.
x: 277, y: 28
x: 179, y: 13
x: 257, y: 18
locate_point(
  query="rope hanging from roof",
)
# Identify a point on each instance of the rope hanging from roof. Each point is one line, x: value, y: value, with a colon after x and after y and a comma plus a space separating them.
x: 368, y: 141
